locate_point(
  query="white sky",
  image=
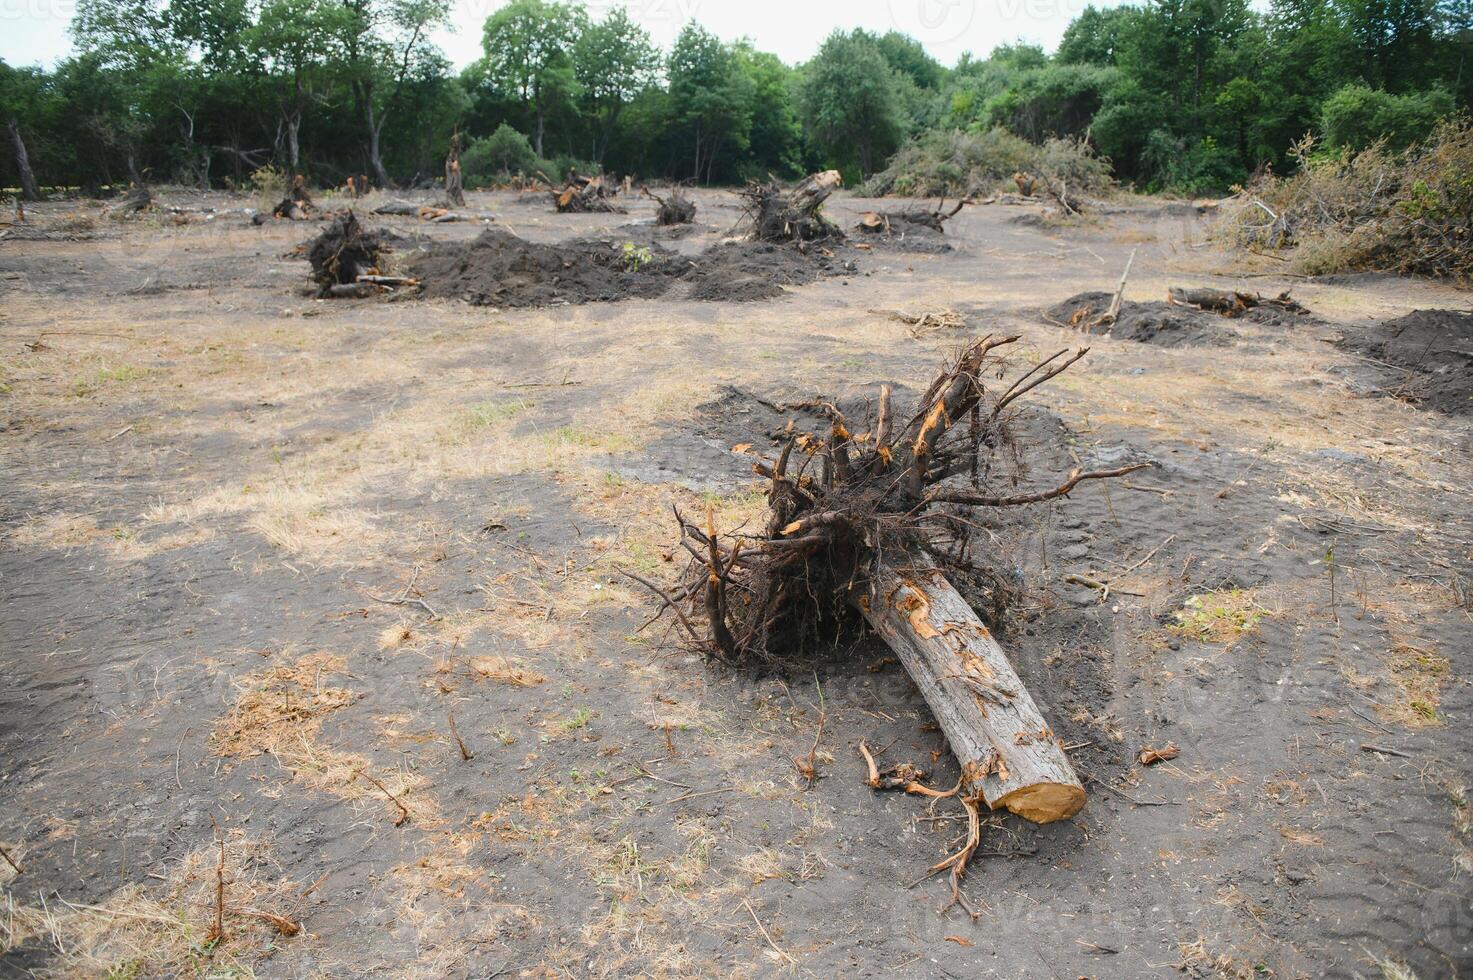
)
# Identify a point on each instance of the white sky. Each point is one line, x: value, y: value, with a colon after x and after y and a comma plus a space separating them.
x: 33, y: 31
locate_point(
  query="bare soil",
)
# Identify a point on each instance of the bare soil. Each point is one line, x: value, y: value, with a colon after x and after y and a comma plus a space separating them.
x: 257, y: 550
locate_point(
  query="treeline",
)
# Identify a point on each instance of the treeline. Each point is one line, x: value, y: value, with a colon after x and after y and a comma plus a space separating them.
x: 1190, y: 95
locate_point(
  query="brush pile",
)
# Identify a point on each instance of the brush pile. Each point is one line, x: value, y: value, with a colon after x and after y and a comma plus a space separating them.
x: 1375, y: 210
x: 864, y: 526
x: 582, y: 194
x: 138, y: 199
x: 772, y: 214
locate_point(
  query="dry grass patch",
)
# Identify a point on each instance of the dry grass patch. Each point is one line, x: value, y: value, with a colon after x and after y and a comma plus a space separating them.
x: 167, y: 929
x: 280, y: 713
x: 281, y: 707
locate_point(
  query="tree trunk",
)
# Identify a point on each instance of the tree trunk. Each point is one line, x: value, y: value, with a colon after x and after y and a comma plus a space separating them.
x: 28, y: 188
x: 537, y: 130
x: 293, y: 143
x: 375, y: 158
x: 454, y: 193
x: 1006, y: 749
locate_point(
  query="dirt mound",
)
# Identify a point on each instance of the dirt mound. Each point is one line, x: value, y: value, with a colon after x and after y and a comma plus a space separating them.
x: 1156, y: 323
x: 921, y: 241
x: 738, y: 272
x: 500, y: 269
x: 1433, y: 352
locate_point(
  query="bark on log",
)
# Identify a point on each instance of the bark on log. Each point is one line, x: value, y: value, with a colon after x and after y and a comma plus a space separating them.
x: 1006, y: 749
x: 813, y: 190
x: 28, y: 188
x: 1230, y: 302
x: 1217, y: 300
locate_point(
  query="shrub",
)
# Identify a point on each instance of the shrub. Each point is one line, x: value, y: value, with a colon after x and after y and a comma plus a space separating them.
x: 1408, y: 212
x: 500, y: 155
x: 269, y: 184
x: 1187, y: 167
x: 1356, y: 117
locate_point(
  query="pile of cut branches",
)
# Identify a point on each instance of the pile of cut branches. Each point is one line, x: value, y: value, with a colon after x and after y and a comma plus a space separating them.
x: 1230, y: 302
x: 865, y: 526
x: 138, y: 199
x: 581, y: 194
x: 771, y: 214
x: 1375, y: 210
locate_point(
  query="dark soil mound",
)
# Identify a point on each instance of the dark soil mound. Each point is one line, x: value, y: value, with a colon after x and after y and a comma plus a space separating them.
x: 909, y: 236
x: 1433, y: 350
x: 737, y: 272
x: 500, y: 269
x: 1148, y: 323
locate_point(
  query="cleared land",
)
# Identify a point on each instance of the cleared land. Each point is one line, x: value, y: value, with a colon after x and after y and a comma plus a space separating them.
x: 256, y: 550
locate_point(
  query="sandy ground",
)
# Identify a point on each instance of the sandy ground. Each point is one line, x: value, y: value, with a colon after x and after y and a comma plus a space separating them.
x: 267, y: 562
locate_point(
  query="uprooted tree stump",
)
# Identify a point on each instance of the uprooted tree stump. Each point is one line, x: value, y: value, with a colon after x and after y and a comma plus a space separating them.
x: 867, y: 524
x: 345, y: 260
x: 772, y: 214
x: 1070, y: 202
x: 138, y: 199
x: 887, y: 222
x: 677, y: 209
x: 581, y: 194
x: 297, y: 205
x: 1228, y: 302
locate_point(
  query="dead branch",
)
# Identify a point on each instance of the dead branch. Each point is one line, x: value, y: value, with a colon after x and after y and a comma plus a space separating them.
x: 403, y: 817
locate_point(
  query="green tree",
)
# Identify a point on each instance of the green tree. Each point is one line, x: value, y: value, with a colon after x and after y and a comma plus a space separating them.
x: 776, y: 141
x: 1357, y: 116
x: 1093, y: 38
x: 529, y: 56
x: 710, y: 99
x: 909, y: 58
x: 295, y: 41
x: 614, y: 60
x: 382, y: 48
x: 851, y: 101
x: 20, y: 94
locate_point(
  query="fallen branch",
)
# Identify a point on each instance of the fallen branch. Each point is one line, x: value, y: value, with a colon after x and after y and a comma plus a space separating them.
x: 403, y: 810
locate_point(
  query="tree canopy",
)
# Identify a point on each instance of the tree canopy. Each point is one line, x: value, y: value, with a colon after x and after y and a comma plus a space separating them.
x: 1192, y: 95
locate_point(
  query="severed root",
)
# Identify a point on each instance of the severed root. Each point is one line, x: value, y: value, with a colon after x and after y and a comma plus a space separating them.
x: 957, y: 863
x: 902, y: 777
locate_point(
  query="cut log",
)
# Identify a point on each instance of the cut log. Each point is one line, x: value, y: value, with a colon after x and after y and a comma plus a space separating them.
x: 813, y: 190
x: 1006, y: 749
x: 1222, y: 301
x: 581, y: 194
x: 1229, y: 302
